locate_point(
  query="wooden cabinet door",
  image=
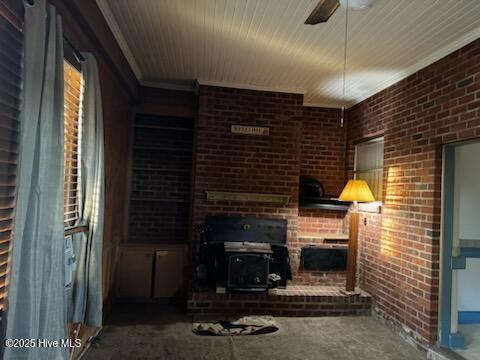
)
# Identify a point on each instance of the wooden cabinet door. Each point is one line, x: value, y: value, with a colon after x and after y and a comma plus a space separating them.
x: 135, y: 273
x: 169, y: 273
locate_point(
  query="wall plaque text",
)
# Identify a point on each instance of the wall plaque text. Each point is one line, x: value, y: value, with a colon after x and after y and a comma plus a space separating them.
x: 250, y: 130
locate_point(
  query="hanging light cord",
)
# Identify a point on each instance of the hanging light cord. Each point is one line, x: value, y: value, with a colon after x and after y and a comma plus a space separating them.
x: 344, y: 64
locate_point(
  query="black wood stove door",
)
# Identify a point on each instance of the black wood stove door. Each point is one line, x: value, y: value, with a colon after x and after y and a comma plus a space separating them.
x: 248, y: 271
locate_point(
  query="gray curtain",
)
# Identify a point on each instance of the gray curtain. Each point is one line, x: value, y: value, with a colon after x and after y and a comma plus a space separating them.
x: 86, y: 303
x: 36, y: 307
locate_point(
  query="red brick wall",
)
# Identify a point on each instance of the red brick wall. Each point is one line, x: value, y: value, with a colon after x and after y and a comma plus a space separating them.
x: 246, y: 163
x: 323, y: 148
x: 399, y: 261
x: 316, y: 221
x: 322, y: 157
x: 271, y: 164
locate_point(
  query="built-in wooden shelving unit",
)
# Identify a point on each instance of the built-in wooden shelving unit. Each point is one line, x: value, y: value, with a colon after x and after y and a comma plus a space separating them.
x: 161, y: 176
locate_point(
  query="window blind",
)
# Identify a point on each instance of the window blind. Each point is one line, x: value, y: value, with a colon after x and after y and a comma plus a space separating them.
x: 72, y: 94
x: 369, y: 165
x: 11, y: 59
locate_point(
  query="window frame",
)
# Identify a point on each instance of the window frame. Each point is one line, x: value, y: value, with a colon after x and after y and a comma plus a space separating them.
x: 379, y: 199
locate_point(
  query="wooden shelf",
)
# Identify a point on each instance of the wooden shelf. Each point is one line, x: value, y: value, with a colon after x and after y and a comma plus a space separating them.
x: 161, y: 200
x: 184, y: 149
x: 164, y: 127
x: 325, y: 203
x: 247, y: 197
x: 160, y: 169
x: 333, y: 207
x: 327, y: 246
x: 161, y: 166
x: 158, y: 245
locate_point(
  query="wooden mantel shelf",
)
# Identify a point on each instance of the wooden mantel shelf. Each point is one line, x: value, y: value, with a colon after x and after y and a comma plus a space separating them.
x: 247, y: 197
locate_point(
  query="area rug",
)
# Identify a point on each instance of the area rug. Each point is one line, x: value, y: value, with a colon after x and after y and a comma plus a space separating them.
x: 246, y: 325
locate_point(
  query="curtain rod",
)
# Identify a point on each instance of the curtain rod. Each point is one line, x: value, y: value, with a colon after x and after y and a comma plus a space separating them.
x: 78, y: 55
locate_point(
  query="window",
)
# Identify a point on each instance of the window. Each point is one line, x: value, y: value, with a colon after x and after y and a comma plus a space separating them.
x: 11, y: 57
x: 369, y: 165
x: 72, y: 94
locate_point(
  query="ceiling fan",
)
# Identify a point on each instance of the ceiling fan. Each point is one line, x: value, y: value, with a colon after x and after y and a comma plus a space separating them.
x: 325, y: 9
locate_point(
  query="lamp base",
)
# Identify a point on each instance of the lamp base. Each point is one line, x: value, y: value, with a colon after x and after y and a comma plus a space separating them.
x: 352, y: 252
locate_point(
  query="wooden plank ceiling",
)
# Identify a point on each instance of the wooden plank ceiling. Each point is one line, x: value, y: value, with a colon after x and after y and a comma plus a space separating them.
x: 264, y: 44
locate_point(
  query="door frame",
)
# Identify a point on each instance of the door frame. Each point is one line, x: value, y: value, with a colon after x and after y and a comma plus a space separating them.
x: 451, y: 259
x: 448, y: 262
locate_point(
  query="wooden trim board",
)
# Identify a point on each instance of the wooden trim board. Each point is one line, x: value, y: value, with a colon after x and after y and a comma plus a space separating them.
x: 247, y: 197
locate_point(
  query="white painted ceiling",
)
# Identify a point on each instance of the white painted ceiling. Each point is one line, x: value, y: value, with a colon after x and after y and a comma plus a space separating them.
x: 264, y: 44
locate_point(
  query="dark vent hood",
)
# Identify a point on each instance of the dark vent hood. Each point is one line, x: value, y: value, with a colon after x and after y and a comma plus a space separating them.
x: 312, y: 196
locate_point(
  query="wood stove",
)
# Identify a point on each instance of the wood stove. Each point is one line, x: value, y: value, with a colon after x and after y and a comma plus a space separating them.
x: 245, y: 253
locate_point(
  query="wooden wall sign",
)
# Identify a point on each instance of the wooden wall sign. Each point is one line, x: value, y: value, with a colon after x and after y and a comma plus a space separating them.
x: 250, y: 130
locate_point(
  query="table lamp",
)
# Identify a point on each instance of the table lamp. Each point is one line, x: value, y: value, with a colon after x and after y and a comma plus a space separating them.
x: 356, y: 191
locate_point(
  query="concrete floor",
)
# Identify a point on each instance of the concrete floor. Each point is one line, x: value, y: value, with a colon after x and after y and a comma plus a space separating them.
x: 152, y: 331
x: 472, y: 342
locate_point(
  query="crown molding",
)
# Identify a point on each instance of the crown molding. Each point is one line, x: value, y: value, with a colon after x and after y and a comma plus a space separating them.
x: 117, y: 33
x: 168, y: 85
x: 332, y: 105
x: 250, y: 86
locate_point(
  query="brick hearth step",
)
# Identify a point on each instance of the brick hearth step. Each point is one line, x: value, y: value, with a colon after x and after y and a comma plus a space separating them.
x: 296, y: 300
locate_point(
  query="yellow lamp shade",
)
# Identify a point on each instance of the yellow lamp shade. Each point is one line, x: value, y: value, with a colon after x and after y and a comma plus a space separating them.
x: 357, y: 190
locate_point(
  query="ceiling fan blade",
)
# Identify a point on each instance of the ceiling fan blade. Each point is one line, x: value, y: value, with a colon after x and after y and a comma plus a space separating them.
x: 322, y: 11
